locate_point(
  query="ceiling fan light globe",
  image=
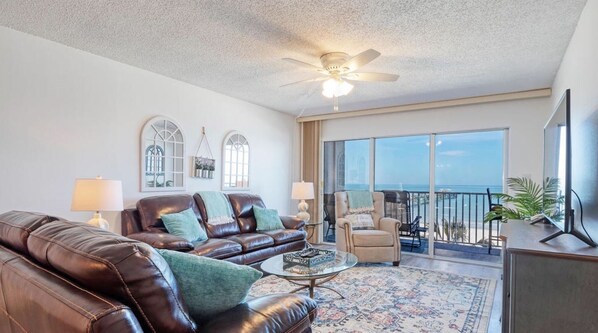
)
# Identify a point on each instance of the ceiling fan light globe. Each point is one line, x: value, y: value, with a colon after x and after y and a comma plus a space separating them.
x: 335, y: 87
x: 327, y: 93
x: 344, y: 88
x: 329, y: 87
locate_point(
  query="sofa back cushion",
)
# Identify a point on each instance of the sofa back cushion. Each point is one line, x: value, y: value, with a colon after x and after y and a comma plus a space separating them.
x: 151, y: 208
x: 35, y: 299
x: 243, y: 209
x: 16, y: 226
x: 215, y: 230
x: 129, y: 271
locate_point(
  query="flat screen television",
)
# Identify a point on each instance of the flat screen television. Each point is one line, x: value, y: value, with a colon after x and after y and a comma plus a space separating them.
x: 557, y: 165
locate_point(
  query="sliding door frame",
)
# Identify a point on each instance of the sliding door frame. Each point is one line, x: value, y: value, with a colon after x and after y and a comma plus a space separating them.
x: 431, y: 180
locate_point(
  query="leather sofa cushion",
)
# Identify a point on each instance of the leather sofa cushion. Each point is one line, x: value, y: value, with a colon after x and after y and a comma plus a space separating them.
x: 242, y: 204
x: 251, y: 242
x: 215, y: 230
x: 39, y: 300
x: 151, y: 208
x: 282, y: 236
x: 129, y: 271
x: 16, y: 226
x: 372, y: 238
x: 273, y: 313
x: 258, y: 255
x: 217, y: 248
x: 162, y: 240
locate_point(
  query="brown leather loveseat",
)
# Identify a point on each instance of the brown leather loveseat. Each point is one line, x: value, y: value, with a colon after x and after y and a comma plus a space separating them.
x: 238, y: 241
x: 58, y: 276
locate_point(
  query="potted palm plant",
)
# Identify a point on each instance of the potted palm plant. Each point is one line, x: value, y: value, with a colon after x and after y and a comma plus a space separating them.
x: 528, y: 199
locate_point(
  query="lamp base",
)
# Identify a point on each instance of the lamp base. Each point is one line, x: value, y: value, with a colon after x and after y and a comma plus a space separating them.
x: 98, y: 221
x: 303, y: 214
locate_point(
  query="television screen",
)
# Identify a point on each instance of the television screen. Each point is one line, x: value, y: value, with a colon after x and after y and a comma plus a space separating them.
x: 557, y: 164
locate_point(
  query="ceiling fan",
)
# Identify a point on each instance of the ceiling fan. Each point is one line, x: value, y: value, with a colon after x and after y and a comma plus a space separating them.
x: 338, y: 68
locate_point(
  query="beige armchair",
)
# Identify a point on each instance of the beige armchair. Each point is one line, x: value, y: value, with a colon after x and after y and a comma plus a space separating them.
x: 379, y: 245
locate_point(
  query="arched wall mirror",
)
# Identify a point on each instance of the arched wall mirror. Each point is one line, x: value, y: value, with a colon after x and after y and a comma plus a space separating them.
x: 235, y: 162
x: 162, y: 156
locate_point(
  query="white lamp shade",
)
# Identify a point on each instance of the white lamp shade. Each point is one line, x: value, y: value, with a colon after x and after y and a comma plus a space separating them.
x: 97, y: 195
x: 302, y: 191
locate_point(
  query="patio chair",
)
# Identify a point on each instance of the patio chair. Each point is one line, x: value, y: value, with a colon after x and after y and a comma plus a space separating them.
x: 413, y: 230
x: 380, y: 244
x: 491, y: 207
x: 330, y: 221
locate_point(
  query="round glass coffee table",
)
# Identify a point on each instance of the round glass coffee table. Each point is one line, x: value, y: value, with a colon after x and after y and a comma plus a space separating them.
x: 310, y: 277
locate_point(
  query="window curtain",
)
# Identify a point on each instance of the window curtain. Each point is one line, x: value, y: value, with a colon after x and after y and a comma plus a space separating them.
x: 310, y: 132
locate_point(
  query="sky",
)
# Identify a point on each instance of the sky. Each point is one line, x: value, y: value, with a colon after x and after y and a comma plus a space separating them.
x: 461, y: 159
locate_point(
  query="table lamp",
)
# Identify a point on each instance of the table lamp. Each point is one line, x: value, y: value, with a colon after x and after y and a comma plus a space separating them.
x: 303, y: 191
x: 97, y: 195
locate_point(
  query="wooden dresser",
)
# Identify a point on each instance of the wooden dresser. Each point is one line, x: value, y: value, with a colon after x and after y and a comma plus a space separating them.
x: 547, y: 287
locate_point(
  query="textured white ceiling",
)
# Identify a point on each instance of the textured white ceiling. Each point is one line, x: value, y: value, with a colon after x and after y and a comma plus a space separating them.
x: 442, y: 49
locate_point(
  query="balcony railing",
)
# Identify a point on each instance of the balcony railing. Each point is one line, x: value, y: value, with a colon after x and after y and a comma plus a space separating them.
x: 459, y: 216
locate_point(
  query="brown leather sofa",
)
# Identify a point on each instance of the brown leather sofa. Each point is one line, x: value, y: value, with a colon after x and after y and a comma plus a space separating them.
x: 60, y: 276
x: 238, y: 241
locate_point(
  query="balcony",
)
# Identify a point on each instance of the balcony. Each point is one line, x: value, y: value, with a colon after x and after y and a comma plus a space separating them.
x: 458, y: 226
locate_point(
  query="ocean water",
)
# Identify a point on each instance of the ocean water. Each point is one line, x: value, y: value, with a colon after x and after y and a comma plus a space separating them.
x: 425, y: 188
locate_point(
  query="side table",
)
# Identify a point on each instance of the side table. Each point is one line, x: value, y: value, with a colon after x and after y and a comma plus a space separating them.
x: 310, y: 227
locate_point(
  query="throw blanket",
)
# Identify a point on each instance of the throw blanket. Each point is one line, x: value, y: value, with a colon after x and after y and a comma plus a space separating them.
x: 217, y: 207
x: 360, y: 202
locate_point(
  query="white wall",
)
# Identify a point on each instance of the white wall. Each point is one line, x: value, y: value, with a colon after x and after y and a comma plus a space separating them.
x: 525, y: 120
x: 66, y: 114
x: 579, y: 72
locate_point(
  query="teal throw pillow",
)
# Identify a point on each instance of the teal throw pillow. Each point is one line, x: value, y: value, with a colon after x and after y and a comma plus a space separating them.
x: 267, y: 219
x: 184, y: 224
x: 209, y: 286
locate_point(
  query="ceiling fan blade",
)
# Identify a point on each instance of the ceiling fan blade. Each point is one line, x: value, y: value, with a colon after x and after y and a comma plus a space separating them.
x: 305, y: 65
x: 305, y: 81
x: 361, y: 59
x: 371, y: 77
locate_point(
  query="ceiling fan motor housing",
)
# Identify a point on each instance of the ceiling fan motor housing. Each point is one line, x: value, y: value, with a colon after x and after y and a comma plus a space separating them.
x: 333, y: 62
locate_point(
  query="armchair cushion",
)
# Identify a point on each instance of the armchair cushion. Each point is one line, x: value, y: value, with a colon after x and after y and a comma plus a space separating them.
x: 372, y: 238
x: 360, y: 221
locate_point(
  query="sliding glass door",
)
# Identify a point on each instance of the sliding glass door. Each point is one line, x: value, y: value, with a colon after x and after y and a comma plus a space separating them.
x: 467, y: 165
x: 402, y: 169
x: 444, y: 219
x: 346, y: 168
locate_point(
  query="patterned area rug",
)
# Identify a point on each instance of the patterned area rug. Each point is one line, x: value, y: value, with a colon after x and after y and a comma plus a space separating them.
x: 396, y: 299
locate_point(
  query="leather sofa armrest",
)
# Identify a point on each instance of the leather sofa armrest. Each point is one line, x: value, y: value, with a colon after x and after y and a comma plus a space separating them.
x: 162, y: 240
x: 273, y: 313
x: 292, y: 222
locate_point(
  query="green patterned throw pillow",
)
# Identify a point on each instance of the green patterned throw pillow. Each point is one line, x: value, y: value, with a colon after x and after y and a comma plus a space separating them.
x: 184, y: 224
x: 267, y: 219
x: 209, y: 286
